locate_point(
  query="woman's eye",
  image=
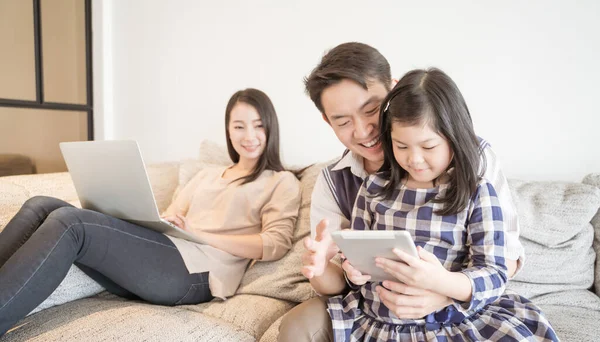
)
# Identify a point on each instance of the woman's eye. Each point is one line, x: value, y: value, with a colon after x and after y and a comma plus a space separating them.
x: 430, y: 148
x: 238, y: 127
x: 401, y: 147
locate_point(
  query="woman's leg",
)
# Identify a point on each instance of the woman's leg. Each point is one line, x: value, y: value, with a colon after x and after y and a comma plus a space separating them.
x: 27, y: 220
x: 139, y: 260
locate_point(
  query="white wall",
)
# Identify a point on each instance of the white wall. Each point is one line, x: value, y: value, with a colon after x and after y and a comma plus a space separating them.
x: 528, y: 70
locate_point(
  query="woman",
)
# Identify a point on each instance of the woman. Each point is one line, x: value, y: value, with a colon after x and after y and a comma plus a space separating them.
x: 242, y: 212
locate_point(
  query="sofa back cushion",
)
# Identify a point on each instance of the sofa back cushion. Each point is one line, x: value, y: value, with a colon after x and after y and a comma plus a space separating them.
x: 282, y: 279
x: 557, y: 236
x: 594, y: 179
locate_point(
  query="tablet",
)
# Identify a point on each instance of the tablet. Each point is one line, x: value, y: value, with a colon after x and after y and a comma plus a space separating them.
x: 361, y: 247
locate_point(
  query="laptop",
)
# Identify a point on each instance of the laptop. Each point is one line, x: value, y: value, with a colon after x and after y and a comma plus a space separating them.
x: 110, y: 177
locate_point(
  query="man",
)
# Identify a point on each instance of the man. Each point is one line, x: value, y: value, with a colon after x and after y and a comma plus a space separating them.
x: 348, y: 87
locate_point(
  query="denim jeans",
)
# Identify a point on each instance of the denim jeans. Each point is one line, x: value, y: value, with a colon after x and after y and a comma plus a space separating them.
x: 47, y: 236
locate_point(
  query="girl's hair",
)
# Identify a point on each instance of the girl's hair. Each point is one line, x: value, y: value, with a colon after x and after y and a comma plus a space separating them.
x: 269, y: 160
x: 431, y: 97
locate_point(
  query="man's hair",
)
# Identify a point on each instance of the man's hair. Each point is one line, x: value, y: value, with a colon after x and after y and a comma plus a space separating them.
x: 357, y: 62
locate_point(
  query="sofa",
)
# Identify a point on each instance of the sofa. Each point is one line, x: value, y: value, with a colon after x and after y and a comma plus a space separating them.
x: 560, y: 230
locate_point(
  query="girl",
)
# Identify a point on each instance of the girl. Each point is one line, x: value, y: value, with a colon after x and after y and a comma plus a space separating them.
x: 241, y: 212
x: 430, y: 185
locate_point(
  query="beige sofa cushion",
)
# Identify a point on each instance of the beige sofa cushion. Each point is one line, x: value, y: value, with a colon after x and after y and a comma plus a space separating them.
x: 557, y: 236
x: 252, y: 314
x: 594, y: 179
x: 282, y: 278
x: 109, y: 318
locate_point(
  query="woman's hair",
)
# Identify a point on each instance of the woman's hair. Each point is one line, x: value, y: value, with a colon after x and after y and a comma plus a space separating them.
x: 431, y: 97
x: 269, y: 160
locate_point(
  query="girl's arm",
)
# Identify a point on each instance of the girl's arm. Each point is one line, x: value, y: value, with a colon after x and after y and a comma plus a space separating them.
x: 486, y: 270
x: 483, y: 280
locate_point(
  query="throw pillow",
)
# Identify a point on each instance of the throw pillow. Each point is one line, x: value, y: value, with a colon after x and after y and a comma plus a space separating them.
x: 556, y: 234
x: 594, y: 179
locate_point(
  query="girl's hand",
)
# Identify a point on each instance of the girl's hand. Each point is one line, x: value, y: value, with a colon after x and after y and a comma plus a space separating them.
x: 354, y: 275
x: 424, y: 272
x: 408, y: 302
x: 318, y: 252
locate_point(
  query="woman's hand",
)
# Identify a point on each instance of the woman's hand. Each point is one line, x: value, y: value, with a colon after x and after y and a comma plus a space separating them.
x: 354, y: 275
x: 179, y: 220
x: 424, y: 272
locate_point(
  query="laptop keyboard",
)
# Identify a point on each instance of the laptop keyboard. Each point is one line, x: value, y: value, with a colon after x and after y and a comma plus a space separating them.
x: 170, y: 223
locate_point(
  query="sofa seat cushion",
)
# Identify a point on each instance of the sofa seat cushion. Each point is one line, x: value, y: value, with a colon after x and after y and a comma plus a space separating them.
x: 108, y: 318
x: 573, y: 324
x: 594, y: 179
x: 557, y: 236
x: 252, y: 314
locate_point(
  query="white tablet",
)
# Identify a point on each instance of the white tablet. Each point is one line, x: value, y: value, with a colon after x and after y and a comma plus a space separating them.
x: 361, y: 247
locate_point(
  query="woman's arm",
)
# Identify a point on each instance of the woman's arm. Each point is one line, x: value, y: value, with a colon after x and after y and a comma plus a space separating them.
x: 278, y: 217
x: 181, y: 203
x: 244, y: 246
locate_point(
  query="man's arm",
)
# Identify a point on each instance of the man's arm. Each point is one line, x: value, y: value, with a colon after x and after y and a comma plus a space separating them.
x: 514, y: 250
x: 320, y: 267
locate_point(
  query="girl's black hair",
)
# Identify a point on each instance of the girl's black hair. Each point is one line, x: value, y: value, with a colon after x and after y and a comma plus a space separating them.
x: 430, y: 96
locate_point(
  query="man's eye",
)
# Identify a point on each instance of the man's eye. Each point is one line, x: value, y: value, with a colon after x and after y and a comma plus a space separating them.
x: 373, y: 111
x: 343, y: 124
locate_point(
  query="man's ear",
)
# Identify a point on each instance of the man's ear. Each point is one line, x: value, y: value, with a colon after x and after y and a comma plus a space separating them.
x: 325, y: 118
x: 394, y: 82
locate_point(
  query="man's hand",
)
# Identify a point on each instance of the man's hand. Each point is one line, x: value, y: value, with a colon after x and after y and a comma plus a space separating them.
x: 318, y: 251
x: 408, y: 302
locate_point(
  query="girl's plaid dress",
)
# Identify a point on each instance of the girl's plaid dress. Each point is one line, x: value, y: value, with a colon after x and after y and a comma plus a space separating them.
x: 471, y: 242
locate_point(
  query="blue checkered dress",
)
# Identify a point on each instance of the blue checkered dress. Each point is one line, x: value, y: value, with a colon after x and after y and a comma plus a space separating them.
x: 471, y: 242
